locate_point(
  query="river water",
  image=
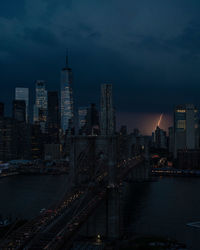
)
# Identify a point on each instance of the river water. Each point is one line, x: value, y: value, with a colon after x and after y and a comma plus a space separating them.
x: 161, y: 208
x: 24, y: 196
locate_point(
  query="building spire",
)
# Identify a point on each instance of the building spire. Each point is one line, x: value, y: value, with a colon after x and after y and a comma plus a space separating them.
x: 67, y: 56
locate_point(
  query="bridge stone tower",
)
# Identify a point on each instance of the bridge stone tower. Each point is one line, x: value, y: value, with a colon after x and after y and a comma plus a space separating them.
x: 113, y: 194
x: 90, y: 155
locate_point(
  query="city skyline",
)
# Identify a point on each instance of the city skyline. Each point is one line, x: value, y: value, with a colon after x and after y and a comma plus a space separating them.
x: 145, y: 121
x: 147, y: 61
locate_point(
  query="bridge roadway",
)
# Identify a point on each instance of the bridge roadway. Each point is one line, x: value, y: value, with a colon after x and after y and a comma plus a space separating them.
x: 53, y: 228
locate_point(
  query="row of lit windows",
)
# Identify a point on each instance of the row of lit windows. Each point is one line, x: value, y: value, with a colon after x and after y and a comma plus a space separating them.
x: 184, y: 111
x: 181, y: 111
x: 181, y: 124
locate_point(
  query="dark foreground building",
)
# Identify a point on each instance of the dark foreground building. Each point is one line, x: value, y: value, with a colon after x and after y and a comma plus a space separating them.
x: 19, y: 110
x: 188, y: 159
x: 14, y: 139
x: 53, y: 117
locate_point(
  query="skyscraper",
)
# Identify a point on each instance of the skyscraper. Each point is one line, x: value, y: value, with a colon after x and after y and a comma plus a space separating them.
x: 53, y: 119
x: 19, y: 110
x: 37, y: 145
x: 160, y: 138
x: 171, y: 139
x: 92, y: 121
x: 107, y: 111
x: 8, y: 139
x: 23, y: 94
x: 123, y: 130
x: 67, y: 103
x: 185, y: 127
x: 82, y: 112
x: 40, y: 107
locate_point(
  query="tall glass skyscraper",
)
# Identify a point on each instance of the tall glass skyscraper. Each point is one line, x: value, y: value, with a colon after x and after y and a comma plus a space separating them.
x: 107, y: 123
x: 22, y: 94
x: 67, y: 103
x: 40, y: 107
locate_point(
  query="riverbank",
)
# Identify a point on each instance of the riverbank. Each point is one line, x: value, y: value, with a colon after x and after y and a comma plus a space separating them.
x: 2, y: 175
x: 132, y: 243
x: 173, y: 172
x: 151, y: 243
x: 35, y: 171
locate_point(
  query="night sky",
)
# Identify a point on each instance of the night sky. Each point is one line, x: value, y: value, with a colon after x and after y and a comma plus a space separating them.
x: 148, y: 49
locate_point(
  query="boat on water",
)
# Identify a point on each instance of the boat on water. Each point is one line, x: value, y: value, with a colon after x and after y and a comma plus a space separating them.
x: 42, y: 210
x: 194, y: 224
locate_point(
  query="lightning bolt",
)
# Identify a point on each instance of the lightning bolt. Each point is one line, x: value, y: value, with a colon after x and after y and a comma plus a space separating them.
x: 160, y: 119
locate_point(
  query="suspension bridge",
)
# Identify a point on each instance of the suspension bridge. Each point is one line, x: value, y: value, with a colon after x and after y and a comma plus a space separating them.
x: 96, y: 172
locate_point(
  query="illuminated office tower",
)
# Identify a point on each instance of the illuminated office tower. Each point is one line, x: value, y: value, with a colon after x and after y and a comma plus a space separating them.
x: 107, y: 111
x: 40, y: 107
x: 67, y: 103
x: 22, y: 94
x: 185, y: 127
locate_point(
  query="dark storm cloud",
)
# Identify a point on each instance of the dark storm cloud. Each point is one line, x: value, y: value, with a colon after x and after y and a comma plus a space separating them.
x: 148, y: 49
x: 153, y: 44
x: 40, y: 35
x: 189, y: 39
